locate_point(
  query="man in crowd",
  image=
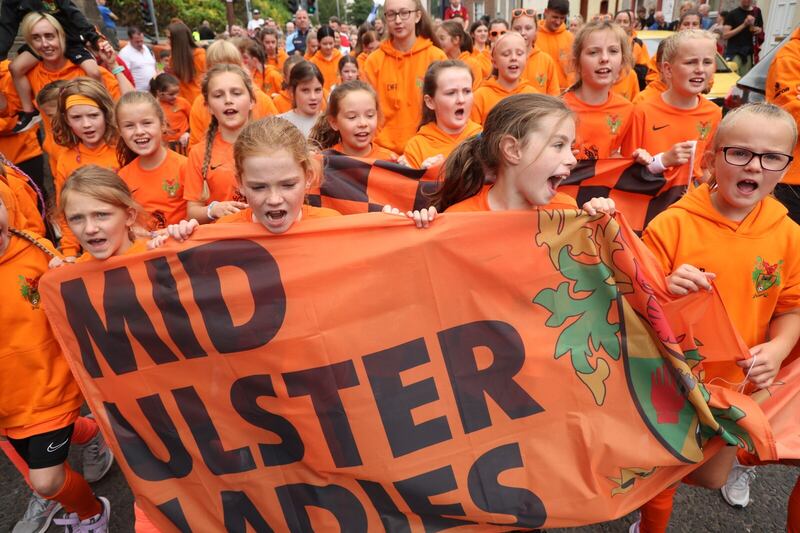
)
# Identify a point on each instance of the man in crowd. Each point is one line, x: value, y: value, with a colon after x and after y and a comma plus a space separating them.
x: 139, y: 58
x: 256, y: 22
x: 742, y: 25
x: 296, y: 41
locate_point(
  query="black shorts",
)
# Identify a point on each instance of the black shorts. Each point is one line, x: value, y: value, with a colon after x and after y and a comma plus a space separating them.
x: 75, y: 53
x: 46, y: 449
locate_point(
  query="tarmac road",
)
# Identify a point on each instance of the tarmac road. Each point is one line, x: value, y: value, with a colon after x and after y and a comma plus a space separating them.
x: 707, y: 513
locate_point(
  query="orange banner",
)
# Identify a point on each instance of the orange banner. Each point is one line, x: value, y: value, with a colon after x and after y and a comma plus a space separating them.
x: 497, y: 371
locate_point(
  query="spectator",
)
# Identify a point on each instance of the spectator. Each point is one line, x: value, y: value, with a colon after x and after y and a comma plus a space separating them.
x: 237, y: 31
x: 705, y: 20
x: 296, y: 41
x: 456, y: 9
x: 256, y: 22
x: 685, y: 6
x: 741, y: 26
x: 205, y: 31
x: 109, y: 23
x: 658, y: 22
x: 139, y: 58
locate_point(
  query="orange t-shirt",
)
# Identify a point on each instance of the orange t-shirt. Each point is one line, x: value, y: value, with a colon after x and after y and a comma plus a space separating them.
x: 269, y: 81
x: 221, y: 176
x: 71, y: 160
x: 328, y: 66
x: 656, y: 126
x: 39, y: 76
x: 430, y: 140
x: 627, y: 86
x: 480, y: 202
x: 757, y: 269
x: 558, y: 45
x: 191, y: 89
x: 35, y: 378
x: 474, y: 67
x: 377, y: 152
x: 600, y: 128
x: 783, y: 89
x: 278, y: 60
x: 283, y: 101
x: 397, y: 78
x: 177, y: 116
x: 307, y: 212
x: 491, y: 92
x: 542, y: 73
x: 159, y: 191
x: 137, y: 246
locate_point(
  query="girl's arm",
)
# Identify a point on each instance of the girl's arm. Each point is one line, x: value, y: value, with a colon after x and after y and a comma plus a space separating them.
x: 208, y: 213
x: 766, y: 360
x: 422, y: 218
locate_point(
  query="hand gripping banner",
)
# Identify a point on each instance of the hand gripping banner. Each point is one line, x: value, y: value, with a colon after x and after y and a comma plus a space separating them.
x: 497, y: 371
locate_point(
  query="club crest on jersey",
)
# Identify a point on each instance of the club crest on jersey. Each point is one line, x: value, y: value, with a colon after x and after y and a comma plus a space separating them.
x: 29, y: 289
x: 541, y: 79
x: 614, y: 122
x: 704, y: 128
x: 170, y: 186
x: 765, y: 276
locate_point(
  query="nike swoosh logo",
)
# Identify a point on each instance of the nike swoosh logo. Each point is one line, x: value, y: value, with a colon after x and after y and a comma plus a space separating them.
x: 215, y: 167
x: 51, y: 448
x: 659, y: 127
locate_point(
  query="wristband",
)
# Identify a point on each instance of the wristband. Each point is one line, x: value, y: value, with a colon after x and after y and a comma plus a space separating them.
x: 656, y: 166
x: 210, y: 207
x: 119, y: 69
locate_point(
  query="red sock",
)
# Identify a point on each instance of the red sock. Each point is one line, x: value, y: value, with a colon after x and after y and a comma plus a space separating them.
x: 18, y: 462
x: 85, y: 430
x: 76, y: 496
x: 656, y: 512
x: 793, y: 518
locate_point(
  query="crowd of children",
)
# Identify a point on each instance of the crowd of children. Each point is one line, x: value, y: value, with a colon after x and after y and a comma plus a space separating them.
x: 231, y: 133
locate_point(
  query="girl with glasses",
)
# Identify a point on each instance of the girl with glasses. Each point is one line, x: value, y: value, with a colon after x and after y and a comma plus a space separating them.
x: 732, y: 231
x: 396, y: 70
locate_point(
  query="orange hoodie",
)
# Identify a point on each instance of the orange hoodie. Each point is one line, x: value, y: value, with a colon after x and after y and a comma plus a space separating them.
x: 35, y: 379
x: 783, y: 89
x: 328, y: 66
x: 491, y: 92
x: 27, y: 214
x: 282, y: 101
x: 397, y: 78
x: 430, y: 140
x: 656, y: 126
x: 558, y: 45
x: 480, y: 202
x: 190, y: 90
x: 39, y: 76
x: 600, y: 128
x: 71, y: 159
x: 542, y: 73
x: 159, y: 191
x: 474, y: 67
x: 627, y: 86
x: 278, y: 60
x: 757, y: 269
x: 19, y: 147
x: 484, y: 58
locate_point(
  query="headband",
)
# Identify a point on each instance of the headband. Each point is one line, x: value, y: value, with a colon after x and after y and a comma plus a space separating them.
x: 79, y: 99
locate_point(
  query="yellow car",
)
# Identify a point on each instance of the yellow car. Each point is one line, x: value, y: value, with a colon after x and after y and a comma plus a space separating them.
x: 724, y: 79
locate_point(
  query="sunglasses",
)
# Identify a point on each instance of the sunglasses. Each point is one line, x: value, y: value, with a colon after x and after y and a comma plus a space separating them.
x: 495, y: 33
x: 519, y: 12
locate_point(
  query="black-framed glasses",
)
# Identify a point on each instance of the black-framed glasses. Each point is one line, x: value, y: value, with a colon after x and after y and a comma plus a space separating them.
x: 403, y: 14
x: 773, y: 161
x: 519, y: 12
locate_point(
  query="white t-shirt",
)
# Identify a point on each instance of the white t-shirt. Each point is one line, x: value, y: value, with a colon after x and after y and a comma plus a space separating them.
x: 254, y: 24
x: 142, y: 64
x: 303, y: 123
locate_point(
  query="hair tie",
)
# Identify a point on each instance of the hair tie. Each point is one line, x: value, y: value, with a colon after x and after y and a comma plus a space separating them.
x: 79, y: 99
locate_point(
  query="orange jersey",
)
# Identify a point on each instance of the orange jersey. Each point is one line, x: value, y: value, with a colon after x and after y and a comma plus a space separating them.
x: 757, y: 269
x: 39, y: 76
x: 653, y: 70
x: 71, y: 160
x: 283, y: 101
x: 177, y: 116
x: 484, y: 58
x: 278, y: 60
x: 542, y: 73
x: 430, y: 140
x: 26, y: 202
x: 600, y: 128
x: 627, y: 86
x: 328, y: 66
x: 200, y: 117
x: 474, y: 68
x: 783, y: 89
x: 159, y: 191
x: 362, y: 60
x: 221, y: 174
x: 51, y: 148
x: 191, y: 89
x: 377, y: 152
x: 136, y: 247
x: 656, y: 126
x: 558, y: 45
x: 653, y: 90
x: 397, y: 78
x: 35, y: 378
x: 480, y: 202
x: 307, y: 212
x: 269, y: 81
x: 491, y: 92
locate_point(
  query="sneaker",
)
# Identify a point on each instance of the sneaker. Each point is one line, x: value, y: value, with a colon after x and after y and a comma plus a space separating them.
x: 38, y: 516
x: 97, y: 458
x: 26, y: 121
x: 737, y: 489
x: 99, y: 522
x: 69, y: 521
